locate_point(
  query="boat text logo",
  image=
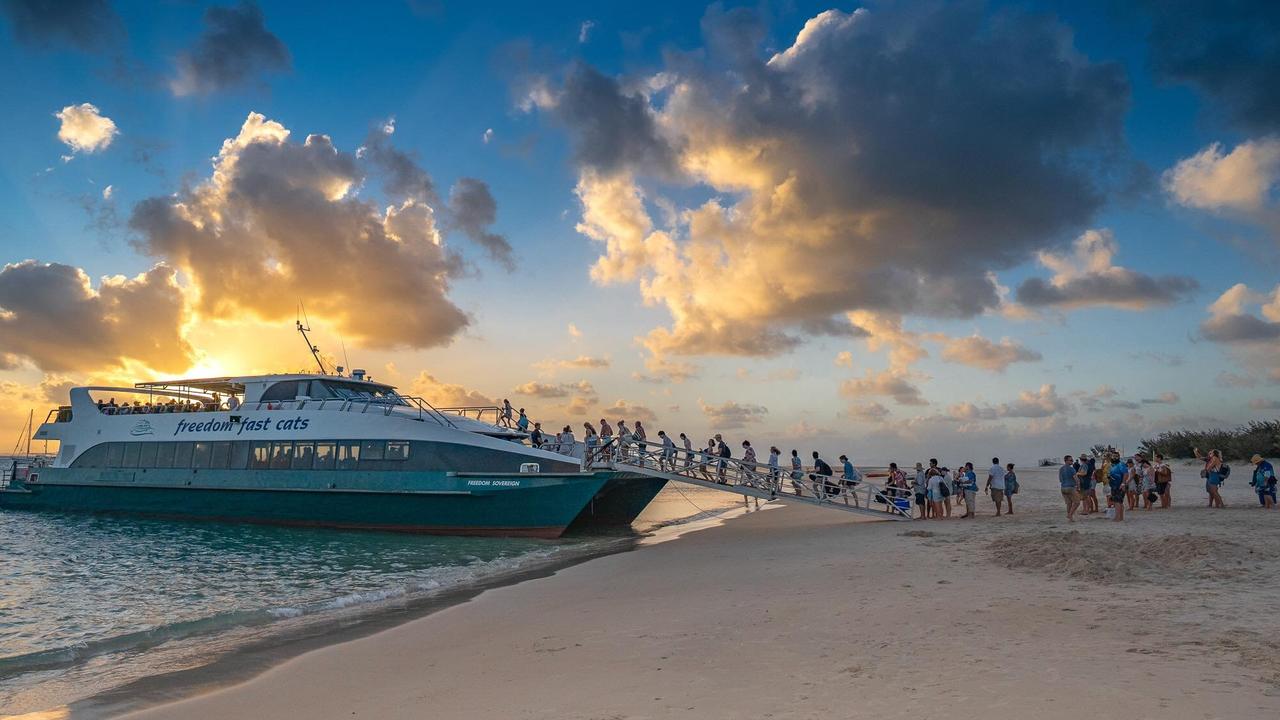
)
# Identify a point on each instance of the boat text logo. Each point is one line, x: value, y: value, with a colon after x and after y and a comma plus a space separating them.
x: 247, y: 424
x: 142, y: 427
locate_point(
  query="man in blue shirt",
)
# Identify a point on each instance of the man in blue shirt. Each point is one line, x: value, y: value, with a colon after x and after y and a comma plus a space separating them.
x: 1116, y: 485
x: 1067, y: 483
x: 1264, y: 482
x: 970, y: 490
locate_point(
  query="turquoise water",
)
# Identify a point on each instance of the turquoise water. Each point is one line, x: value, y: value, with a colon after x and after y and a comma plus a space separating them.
x: 90, y: 603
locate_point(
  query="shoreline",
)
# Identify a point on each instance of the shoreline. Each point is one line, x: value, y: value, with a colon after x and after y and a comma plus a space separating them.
x: 258, y: 656
x: 800, y: 613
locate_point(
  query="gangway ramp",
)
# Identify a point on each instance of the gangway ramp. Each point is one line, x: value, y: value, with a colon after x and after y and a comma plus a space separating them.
x: 746, y: 478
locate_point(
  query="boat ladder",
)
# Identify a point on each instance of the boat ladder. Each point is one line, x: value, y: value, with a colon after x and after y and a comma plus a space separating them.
x: 748, y: 479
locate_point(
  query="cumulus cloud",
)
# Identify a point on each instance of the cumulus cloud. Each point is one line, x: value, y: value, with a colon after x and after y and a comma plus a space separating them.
x: 472, y: 210
x: 1041, y: 403
x: 278, y: 221
x: 1086, y: 277
x: 582, y: 362
x: 444, y: 394
x: 823, y: 155
x: 1226, y: 50
x: 1243, y: 180
x: 85, y: 24
x: 548, y: 390
x: 979, y: 352
x: 731, y: 415
x: 630, y: 411
x: 84, y: 129
x: 51, y: 315
x: 234, y: 47
x: 870, y: 412
x: 1230, y: 321
x: 894, y: 384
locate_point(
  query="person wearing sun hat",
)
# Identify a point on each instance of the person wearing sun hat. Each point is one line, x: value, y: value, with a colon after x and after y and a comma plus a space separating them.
x: 1264, y: 482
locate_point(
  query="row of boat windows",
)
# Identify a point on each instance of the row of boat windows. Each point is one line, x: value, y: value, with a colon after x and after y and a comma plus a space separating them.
x: 251, y: 455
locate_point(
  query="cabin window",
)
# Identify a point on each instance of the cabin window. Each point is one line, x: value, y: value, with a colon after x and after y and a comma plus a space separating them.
x: 115, y: 454
x: 325, y: 455
x: 200, y: 455
x: 372, y: 449
x: 240, y: 454
x: 182, y: 455
x: 286, y: 390
x: 348, y: 455
x: 261, y: 456
x: 164, y: 454
x: 397, y: 449
x: 147, y: 455
x: 281, y: 455
x: 130, y: 455
x: 303, y: 454
x: 220, y: 455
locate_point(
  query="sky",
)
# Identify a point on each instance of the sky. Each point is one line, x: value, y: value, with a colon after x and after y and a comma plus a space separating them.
x: 895, y: 230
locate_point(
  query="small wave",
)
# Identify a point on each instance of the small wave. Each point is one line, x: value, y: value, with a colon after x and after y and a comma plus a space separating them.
x: 444, y: 579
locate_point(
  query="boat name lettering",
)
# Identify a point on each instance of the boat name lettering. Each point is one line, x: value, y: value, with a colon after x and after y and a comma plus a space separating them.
x: 491, y: 483
x: 248, y: 424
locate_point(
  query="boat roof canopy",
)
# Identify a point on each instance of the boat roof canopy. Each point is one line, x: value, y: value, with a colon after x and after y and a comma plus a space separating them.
x: 236, y: 385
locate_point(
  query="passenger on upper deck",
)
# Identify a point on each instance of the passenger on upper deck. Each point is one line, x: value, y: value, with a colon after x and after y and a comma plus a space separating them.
x: 233, y: 403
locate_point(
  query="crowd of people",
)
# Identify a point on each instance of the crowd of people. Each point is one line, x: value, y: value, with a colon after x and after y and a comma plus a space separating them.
x: 1139, y: 480
x: 173, y: 405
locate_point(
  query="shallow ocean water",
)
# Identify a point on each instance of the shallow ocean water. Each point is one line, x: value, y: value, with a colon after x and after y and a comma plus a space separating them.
x: 90, y: 603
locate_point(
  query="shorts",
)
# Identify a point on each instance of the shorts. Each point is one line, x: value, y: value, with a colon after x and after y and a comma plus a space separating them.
x: 920, y: 498
x: 997, y: 495
x: 1086, y: 485
x: 1266, y: 492
x: 1069, y: 495
x: 1117, y: 495
x: 1162, y: 487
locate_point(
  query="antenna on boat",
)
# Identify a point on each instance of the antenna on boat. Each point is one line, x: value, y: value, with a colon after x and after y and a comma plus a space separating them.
x: 304, y: 329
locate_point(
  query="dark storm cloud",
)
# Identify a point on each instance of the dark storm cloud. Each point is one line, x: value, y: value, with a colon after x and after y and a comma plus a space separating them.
x: 85, y: 24
x: 1240, y: 328
x: 472, y: 210
x: 51, y: 315
x: 1125, y: 288
x: 234, y: 47
x: 1229, y: 50
x: 611, y: 127
x: 904, y: 150
x: 402, y: 175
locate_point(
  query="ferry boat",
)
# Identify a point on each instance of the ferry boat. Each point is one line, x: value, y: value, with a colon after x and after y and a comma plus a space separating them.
x: 319, y: 449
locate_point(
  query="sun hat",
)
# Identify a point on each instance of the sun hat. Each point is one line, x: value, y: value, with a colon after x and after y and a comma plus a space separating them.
x: 1256, y: 459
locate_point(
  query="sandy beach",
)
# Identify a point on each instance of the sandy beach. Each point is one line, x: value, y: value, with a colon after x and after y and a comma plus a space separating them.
x: 796, y: 612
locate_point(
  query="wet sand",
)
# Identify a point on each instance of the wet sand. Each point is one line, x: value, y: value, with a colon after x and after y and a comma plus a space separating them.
x: 798, y: 612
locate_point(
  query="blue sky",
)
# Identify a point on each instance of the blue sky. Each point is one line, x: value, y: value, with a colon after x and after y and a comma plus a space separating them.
x: 448, y: 74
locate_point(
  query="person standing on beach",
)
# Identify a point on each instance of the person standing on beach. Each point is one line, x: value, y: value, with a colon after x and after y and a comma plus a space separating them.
x: 1212, y: 474
x: 920, y: 488
x: 970, y: 491
x: 1164, y: 480
x: 1132, y: 480
x: 1068, y: 482
x: 995, y: 484
x: 1264, y: 482
x: 1148, y: 491
x: 937, y: 481
x: 1116, y: 477
x: 1010, y: 486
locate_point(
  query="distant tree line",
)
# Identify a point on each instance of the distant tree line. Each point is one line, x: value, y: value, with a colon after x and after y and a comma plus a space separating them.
x: 1260, y: 436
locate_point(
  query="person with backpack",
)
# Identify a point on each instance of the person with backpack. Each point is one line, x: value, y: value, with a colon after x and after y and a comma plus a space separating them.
x: 822, y: 474
x: 1010, y: 486
x: 1213, y: 476
x: 1117, y: 475
x: 1264, y: 482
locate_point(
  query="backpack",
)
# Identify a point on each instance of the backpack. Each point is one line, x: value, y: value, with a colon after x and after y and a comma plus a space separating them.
x: 1225, y: 471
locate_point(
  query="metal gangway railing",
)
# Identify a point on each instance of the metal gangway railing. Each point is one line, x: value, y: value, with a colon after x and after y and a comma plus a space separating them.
x: 747, y: 478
